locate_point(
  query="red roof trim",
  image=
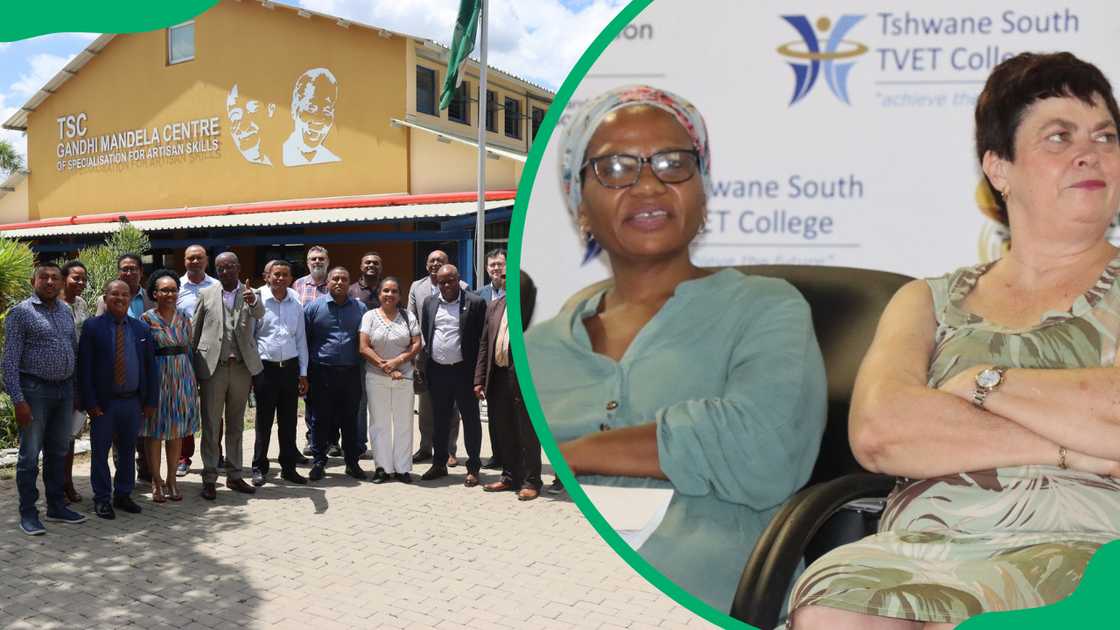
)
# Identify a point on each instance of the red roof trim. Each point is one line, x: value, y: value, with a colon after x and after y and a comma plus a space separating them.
x: 268, y: 206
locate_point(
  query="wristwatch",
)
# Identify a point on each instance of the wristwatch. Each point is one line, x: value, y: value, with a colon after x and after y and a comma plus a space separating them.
x: 988, y: 380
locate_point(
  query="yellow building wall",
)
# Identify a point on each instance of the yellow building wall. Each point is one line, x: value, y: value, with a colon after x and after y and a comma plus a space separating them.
x: 13, y: 205
x: 130, y: 86
x: 439, y: 167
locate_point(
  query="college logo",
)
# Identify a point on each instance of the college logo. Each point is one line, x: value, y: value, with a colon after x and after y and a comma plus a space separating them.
x: 811, y: 60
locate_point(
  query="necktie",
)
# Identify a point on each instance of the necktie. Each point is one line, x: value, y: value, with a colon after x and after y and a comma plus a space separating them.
x: 118, y: 363
x: 501, y: 343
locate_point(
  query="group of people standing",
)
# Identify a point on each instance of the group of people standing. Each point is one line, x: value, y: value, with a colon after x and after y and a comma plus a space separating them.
x: 157, y: 364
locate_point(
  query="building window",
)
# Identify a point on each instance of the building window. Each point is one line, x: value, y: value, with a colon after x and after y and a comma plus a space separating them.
x: 513, y: 118
x: 538, y: 116
x: 460, y: 108
x: 426, y: 90
x: 180, y: 43
x: 491, y: 111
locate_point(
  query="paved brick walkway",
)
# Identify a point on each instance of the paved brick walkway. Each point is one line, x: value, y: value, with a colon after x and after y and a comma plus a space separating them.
x: 335, y: 554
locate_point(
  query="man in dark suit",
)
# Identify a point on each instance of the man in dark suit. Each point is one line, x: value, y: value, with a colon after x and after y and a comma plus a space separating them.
x: 117, y: 376
x: 451, y: 324
x: 496, y: 382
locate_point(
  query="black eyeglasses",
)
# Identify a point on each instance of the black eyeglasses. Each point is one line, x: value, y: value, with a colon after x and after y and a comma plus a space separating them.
x: 621, y: 170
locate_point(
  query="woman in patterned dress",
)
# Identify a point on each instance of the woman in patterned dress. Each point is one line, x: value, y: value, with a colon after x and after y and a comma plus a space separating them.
x: 991, y: 391
x: 178, y: 414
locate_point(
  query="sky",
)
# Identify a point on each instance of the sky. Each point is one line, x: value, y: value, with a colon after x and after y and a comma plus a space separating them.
x: 538, y: 40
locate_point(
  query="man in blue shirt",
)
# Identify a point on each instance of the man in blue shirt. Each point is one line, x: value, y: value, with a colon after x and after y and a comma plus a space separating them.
x: 40, y: 342
x: 282, y: 345
x: 334, y: 372
x: 118, y: 379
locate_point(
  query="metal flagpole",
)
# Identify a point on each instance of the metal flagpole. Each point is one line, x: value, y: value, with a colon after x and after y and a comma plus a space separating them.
x: 480, y: 222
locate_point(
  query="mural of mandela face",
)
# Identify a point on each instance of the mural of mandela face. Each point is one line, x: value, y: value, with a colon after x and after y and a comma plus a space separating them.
x: 246, y: 116
x: 313, y: 102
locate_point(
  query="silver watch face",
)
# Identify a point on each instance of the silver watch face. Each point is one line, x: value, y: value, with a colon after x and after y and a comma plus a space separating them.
x: 988, y: 378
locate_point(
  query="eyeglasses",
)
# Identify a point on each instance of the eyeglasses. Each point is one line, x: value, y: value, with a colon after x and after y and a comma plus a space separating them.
x: 620, y: 170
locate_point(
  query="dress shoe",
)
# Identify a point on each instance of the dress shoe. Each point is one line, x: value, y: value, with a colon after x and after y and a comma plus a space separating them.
x: 182, y: 469
x: 355, y: 471
x: 209, y: 491
x: 104, y: 510
x: 335, y: 451
x: 316, y: 472
x: 471, y: 480
x: 528, y: 494
x: 125, y: 502
x: 421, y: 456
x: 380, y: 476
x: 31, y: 525
x: 143, y: 478
x: 258, y: 478
x: 239, y: 485
x: 403, y: 477
x: 451, y: 461
x: 301, y: 460
x: 307, y: 451
x: 366, y: 455
x: 435, y: 472
x: 293, y: 476
x: 557, y: 486
x: 493, y: 464
x: 501, y: 485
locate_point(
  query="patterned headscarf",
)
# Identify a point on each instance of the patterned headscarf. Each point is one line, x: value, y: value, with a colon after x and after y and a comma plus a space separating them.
x: 577, y: 135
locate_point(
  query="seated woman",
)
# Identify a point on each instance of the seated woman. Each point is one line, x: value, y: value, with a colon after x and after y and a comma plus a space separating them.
x: 709, y: 384
x: 990, y: 391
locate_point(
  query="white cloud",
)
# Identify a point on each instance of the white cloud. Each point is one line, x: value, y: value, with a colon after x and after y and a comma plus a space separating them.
x: 15, y: 138
x: 43, y: 67
x: 539, y: 40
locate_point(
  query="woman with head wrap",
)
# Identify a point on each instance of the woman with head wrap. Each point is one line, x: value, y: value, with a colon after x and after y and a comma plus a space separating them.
x: 708, y: 383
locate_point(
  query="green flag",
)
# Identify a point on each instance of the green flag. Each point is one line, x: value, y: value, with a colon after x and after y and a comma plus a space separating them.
x: 462, y: 43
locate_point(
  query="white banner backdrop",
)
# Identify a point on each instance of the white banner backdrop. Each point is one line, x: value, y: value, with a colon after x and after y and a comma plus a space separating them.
x: 871, y: 164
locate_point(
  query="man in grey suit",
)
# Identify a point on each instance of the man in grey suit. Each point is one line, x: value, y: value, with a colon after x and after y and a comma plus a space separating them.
x: 225, y: 361
x: 419, y: 293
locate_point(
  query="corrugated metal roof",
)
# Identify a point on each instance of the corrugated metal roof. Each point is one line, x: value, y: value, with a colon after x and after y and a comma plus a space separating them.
x: 363, y: 214
x: 440, y: 133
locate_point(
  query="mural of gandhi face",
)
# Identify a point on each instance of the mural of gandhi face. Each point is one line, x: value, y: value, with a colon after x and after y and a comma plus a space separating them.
x: 246, y: 116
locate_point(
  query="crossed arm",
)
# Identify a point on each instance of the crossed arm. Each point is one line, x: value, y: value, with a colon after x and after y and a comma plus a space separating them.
x: 900, y: 426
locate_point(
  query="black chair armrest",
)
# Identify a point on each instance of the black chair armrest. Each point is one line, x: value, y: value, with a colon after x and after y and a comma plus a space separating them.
x: 769, y: 571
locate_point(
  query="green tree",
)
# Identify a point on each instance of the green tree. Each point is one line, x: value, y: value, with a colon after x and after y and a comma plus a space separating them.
x: 101, y: 260
x: 10, y: 160
x: 17, y: 262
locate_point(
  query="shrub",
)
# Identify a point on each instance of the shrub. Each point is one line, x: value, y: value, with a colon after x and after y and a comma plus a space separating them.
x: 101, y: 260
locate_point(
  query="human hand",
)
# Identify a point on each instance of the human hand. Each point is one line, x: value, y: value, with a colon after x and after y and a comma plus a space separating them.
x: 249, y: 295
x: 303, y: 386
x: 397, y: 375
x: 23, y: 413
x: 964, y: 383
x: 1090, y: 464
x: 479, y: 393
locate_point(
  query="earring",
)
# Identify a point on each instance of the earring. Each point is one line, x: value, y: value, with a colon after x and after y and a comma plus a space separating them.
x: 1005, y: 193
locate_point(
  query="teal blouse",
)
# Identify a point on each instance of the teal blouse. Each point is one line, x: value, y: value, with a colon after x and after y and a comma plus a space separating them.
x: 730, y: 371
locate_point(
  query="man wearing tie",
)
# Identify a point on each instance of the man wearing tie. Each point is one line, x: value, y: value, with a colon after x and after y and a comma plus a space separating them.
x: 226, y: 359
x: 118, y: 379
x: 451, y: 324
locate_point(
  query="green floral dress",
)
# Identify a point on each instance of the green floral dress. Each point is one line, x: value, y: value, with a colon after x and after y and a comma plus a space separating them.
x: 954, y: 546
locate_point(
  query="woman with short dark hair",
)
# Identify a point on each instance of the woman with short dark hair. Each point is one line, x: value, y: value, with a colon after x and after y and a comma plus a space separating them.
x: 178, y: 413
x: 990, y: 391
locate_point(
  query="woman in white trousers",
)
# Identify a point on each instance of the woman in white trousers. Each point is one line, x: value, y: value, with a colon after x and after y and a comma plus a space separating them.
x: 389, y: 339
